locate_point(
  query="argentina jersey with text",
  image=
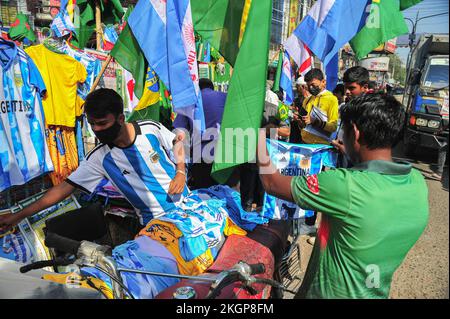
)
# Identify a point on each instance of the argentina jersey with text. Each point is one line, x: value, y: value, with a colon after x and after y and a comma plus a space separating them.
x: 24, y: 153
x: 142, y: 172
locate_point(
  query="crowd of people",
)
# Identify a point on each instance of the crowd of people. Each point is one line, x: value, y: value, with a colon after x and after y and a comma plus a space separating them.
x: 360, y: 202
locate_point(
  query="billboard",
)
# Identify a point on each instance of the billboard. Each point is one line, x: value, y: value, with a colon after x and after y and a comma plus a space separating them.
x: 380, y: 64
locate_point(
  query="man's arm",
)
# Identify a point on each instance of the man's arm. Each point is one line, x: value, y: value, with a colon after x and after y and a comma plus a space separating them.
x: 274, y: 183
x: 50, y: 198
x: 178, y: 183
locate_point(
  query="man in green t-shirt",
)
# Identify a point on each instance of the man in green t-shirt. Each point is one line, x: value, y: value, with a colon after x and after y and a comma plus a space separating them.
x: 372, y: 214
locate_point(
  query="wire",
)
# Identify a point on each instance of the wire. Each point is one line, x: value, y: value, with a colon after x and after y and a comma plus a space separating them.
x: 116, y: 280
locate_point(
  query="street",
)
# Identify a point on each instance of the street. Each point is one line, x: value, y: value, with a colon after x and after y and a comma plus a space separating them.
x: 424, y: 273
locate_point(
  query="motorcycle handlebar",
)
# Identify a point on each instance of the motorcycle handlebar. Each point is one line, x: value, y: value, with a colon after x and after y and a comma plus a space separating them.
x: 61, y: 243
x: 46, y: 263
x: 256, y: 269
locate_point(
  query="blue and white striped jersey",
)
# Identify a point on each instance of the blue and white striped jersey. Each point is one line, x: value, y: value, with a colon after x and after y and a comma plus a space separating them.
x: 142, y: 172
x: 23, y: 150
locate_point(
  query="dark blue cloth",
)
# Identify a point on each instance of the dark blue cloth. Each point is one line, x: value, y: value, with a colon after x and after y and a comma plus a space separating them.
x: 213, y: 106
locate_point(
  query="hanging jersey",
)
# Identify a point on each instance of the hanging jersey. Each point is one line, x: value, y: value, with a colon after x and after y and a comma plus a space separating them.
x: 142, y: 172
x: 61, y: 74
x: 24, y: 154
x: 295, y: 160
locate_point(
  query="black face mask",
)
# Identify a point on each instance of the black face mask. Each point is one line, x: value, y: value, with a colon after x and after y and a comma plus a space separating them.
x: 314, y: 90
x: 107, y: 136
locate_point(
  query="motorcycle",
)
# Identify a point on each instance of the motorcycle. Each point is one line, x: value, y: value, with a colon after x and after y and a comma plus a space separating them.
x: 260, y: 265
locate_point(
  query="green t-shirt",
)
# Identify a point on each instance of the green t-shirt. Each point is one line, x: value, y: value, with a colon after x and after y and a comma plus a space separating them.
x: 372, y: 215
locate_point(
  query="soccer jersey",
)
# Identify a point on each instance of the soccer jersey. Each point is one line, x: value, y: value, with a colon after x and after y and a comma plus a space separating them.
x: 61, y: 74
x: 24, y: 154
x: 142, y: 172
x: 372, y: 215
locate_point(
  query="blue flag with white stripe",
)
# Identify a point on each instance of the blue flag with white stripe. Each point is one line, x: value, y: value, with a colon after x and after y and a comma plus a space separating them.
x: 286, y: 80
x: 329, y: 25
x: 171, y: 52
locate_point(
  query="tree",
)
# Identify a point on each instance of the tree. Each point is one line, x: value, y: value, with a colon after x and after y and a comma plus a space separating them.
x: 397, y: 68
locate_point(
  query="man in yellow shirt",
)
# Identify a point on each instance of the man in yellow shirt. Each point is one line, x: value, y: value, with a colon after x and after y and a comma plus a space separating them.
x: 321, y: 110
x: 320, y: 121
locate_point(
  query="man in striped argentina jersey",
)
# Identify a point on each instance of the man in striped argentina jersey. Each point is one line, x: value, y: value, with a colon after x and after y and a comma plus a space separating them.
x: 135, y: 157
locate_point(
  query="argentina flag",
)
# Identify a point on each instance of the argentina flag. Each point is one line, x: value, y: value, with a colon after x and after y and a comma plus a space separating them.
x: 165, y: 33
x: 329, y: 25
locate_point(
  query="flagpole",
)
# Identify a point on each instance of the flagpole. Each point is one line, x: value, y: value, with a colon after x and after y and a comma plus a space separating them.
x: 98, y: 23
x: 99, y: 76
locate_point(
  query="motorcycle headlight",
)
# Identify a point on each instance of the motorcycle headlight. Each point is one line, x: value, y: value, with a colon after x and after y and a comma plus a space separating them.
x: 421, y: 122
x: 433, y: 124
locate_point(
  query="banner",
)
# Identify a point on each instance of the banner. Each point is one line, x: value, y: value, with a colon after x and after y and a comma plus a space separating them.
x: 25, y: 242
x: 293, y: 14
x: 295, y: 160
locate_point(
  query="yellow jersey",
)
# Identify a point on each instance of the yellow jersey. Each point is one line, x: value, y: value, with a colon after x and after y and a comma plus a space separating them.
x: 61, y: 74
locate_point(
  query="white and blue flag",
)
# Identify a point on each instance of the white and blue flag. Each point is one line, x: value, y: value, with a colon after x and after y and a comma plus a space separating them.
x: 295, y: 160
x: 329, y: 25
x: 286, y: 80
x: 165, y: 33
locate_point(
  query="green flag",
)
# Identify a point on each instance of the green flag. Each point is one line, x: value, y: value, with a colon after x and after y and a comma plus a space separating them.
x: 276, y: 83
x: 129, y: 55
x: 405, y: 4
x: 240, y: 30
x: 21, y: 28
x: 111, y: 12
x: 385, y: 22
x: 219, y: 23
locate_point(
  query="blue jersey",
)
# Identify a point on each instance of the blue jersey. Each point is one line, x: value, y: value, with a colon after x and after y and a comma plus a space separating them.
x: 142, y: 172
x: 23, y: 150
x: 295, y: 160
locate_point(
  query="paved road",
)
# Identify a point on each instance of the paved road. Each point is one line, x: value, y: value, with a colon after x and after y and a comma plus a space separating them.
x: 424, y: 273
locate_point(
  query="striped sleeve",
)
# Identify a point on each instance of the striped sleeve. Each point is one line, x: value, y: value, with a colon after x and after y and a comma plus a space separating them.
x: 90, y: 172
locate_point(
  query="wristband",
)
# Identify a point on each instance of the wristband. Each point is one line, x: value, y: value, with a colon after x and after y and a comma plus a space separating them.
x: 181, y: 172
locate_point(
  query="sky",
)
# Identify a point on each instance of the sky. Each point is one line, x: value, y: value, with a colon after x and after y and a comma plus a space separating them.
x: 430, y: 25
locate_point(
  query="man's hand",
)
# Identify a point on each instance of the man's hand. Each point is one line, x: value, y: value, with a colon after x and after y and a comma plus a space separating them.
x: 306, y: 119
x: 10, y: 220
x: 177, y: 184
x: 338, y: 145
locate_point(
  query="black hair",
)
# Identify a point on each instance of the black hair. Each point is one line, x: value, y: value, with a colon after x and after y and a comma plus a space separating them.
x: 339, y: 89
x: 314, y: 74
x: 102, y: 102
x: 205, y: 83
x: 357, y: 74
x: 380, y: 118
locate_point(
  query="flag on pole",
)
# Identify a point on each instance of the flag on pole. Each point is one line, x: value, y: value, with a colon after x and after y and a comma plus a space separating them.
x: 276, y: 82
x: 385, y: 22
x: 405, y: 4
x: 286, y: 80
x: 171, y: 52
x: 128, y: 54
x: 329, y: 25
x: 300, y: 53
x: 240, y: 31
